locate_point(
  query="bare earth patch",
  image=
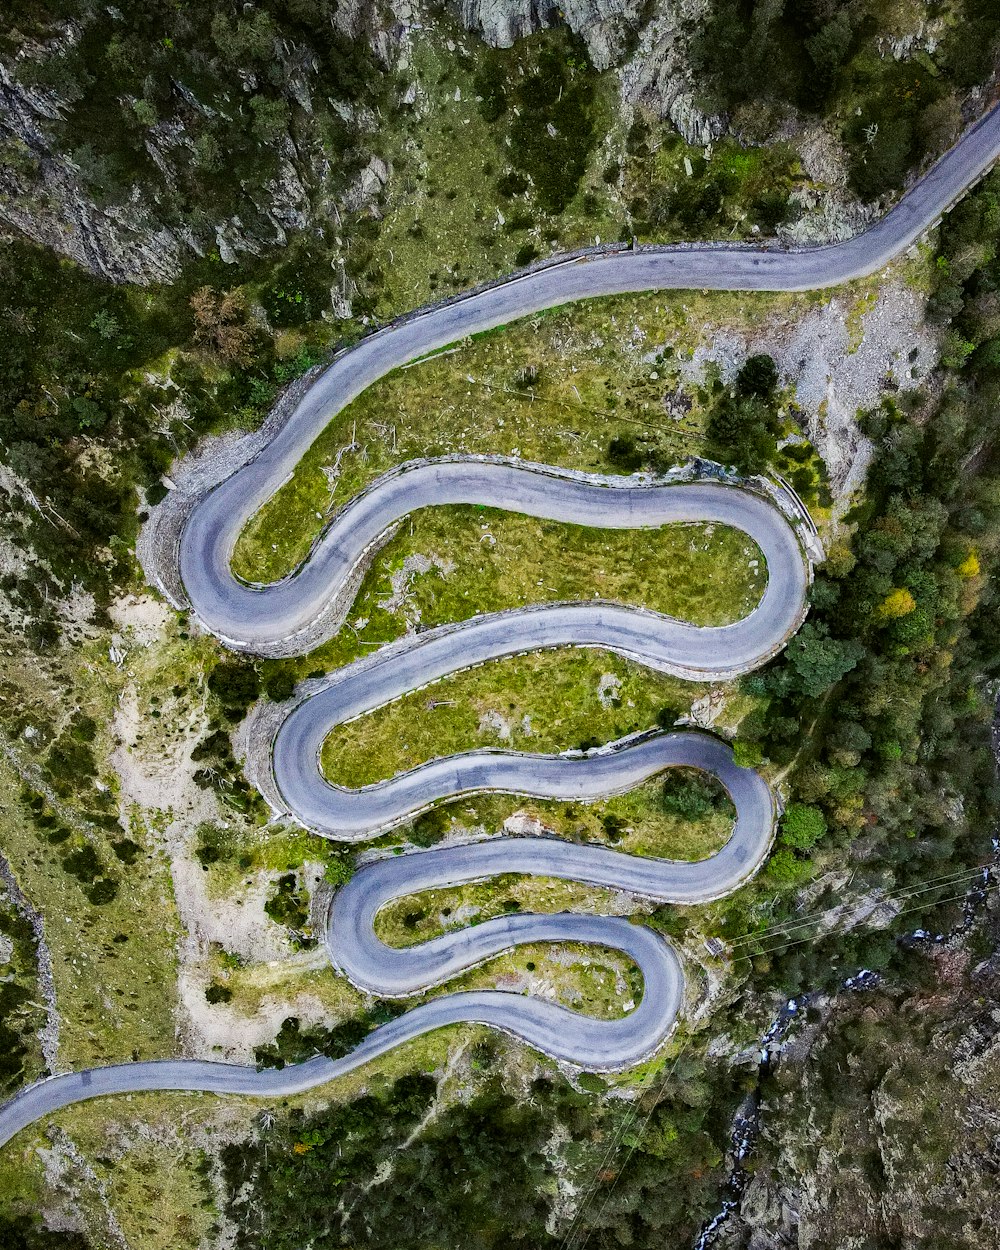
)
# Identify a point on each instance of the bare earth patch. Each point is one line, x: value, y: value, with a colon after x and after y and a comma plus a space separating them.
x: 840, y: 358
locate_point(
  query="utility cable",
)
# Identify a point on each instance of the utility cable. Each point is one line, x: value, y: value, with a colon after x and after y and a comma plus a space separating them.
x: 570, y: 1241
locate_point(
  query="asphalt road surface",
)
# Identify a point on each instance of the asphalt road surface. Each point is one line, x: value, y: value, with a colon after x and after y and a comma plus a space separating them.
x: 246, y: 617
x: 249, y: 617
x: 656, y: 641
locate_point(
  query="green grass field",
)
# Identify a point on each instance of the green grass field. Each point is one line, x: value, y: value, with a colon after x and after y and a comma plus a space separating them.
x: 554, y: 388
x: 547, y: 701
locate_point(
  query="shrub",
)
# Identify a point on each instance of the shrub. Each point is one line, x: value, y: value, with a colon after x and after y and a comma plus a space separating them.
x: 221, y: 320
x: 218, y: 993
x: 757, y: 376
x: 290, y: 905
x: 785, y: 868
x: 83, y: 728
x: 236, y: 684
x: 103, y: 891
x: 624, y: 454
x: 279, y: 685
x: 512, y: 184
x: 430, y: 827
x: 667, y: 717
x: 614, y: 827
x: 213, y: 845
x: 339, y: 869
x: 690, y: 795
x: 83, y: 864
x: 69, y: 761
x: 525, y: 254
x: 743, y: 430
x: 802, y: 826
x: 747, y: 754
x: 127, y: 850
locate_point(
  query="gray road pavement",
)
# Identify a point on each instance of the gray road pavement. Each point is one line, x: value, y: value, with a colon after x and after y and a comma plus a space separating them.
x: 656, y: 641
x: 247, y: 617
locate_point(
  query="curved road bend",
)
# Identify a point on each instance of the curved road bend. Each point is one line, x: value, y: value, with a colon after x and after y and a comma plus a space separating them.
x: 206, y: 550
x: 243, y: 617
x: 654, y: 640
x: 581, y: 1040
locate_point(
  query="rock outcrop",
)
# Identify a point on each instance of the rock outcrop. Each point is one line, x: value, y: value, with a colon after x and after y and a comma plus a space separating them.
x: 658, y: 74
x: 140, y: 235
x: 604, y: 25
x: 650, y: 50
x: 41, y: 197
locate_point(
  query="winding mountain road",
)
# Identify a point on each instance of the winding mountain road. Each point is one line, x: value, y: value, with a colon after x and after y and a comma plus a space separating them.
x: 279, y: 618
x: 656, y: 641
x: 268, y: 619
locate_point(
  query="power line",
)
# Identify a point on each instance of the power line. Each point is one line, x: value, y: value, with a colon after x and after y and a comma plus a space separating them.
x: 634, y: 1146
x: 801, y: 922
x: 616, y: 1138
x: 798, y: 922
x: 576, y: 1226
x: 570, y: 1240
x: 781, y: 947
x: 888, y: 898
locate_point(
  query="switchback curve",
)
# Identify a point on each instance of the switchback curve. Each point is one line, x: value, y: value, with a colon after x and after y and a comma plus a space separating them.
x: 216, y: 522
x: 657, y: 641
x: 276, y: 620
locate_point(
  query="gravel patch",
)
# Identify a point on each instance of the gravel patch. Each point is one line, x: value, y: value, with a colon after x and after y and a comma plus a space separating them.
x: 492, y: 722
x: 835, y: 373
x: 401, y: 583
x: 609, y: 690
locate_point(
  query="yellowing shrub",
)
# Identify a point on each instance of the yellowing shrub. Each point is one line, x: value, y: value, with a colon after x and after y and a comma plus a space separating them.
x: 969, y: 566
x: 897, y: 603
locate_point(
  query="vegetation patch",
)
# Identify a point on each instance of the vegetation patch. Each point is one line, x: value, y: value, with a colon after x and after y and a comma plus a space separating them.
x: 500, y: 1138
x: 22, y: 1017
x: 558, y: 389
x: 675, y: 190
x: 105, y: 963
x: 592, y: 980
x: 548, y: 701
x: 131, y: 80
x: 289, y: 906
x: 455, y: 153
x: 419, y: 917
x: 485, y: 560
x: 539, y: 97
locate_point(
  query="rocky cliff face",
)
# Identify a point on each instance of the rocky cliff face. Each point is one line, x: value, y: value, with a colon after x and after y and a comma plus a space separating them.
x: 42, y: 197
x: 880, y: 1127
x: 604, y: 25
x: 658, y: 74
x: 144, y: 231
x: 649, y: 49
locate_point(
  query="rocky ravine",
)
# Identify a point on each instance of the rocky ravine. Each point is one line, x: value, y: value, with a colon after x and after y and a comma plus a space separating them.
x: 879, y: 1127
x: 142, y: 238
